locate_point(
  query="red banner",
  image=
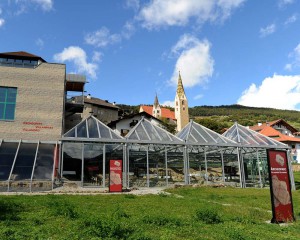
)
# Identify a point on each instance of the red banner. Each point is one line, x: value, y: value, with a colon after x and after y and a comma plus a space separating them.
x: 280, y: 187
x: 115, y: 175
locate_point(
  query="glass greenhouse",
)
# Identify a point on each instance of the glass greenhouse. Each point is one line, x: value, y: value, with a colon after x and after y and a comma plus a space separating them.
x: 151, y: 156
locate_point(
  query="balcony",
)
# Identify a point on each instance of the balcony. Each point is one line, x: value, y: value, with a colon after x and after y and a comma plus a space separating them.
x: 74, y: 93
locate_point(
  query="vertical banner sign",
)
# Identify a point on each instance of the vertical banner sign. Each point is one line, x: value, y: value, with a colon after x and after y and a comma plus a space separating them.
x: 115, y: 175
x: 280, y: 187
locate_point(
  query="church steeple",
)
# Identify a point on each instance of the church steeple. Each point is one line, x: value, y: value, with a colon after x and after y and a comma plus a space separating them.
x: 181, y: 106
x: 156, y: 103
x: 180, y: 89
x: 156, y: 112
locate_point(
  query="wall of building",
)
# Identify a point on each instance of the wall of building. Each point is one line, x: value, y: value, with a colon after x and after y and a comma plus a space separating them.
x: 39, y: 103
x: 105, y: 115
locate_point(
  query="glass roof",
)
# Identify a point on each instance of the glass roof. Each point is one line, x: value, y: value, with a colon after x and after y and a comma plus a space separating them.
x: 196, y: 133
x: 248, y: 137
x: 144, y: 130
x: 91, y: 127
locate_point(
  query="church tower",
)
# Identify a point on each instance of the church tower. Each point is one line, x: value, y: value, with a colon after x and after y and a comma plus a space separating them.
x: 156, y: 112
x: 181, y: 106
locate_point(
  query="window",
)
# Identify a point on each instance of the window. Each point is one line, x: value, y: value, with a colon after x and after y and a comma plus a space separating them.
x: 8, y: 98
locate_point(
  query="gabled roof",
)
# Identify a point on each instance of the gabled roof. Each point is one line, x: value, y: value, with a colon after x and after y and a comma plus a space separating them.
x: 165, y: 112
x: 249, y: 138
x: 146, y: 132
x: 273, y: 133
x: 99, y: 102
x: 259, y: 127
x: 112, y: 124
x: 195, y: 133
x: 21, y: 55
x: 91, y: 128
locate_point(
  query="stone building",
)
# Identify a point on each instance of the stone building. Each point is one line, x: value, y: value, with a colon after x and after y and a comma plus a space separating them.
x: 101, y: 109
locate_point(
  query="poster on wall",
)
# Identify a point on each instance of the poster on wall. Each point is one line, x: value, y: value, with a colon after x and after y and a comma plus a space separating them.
x: 280, y: 187
x: 115, y: 176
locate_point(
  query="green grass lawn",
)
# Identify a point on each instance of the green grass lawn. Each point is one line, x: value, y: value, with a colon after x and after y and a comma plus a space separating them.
x: 187, y: 213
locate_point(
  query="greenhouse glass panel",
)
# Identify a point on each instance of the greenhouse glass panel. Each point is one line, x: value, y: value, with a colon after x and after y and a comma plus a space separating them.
x: 7, y: 155
x: 81, y: 130
x: 175, y: 164
x: 72, y: 161
x: 93, y: 164
x: 71, y: 133
x: 44, y: 162
x: 141, y: 132
x: 93, y: 128
x: 137, y: 167
x: 104, y: 131
x: 21, y: 174
x: 24, y: 162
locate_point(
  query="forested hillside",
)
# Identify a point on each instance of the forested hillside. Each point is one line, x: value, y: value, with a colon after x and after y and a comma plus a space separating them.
x: 220, y: 117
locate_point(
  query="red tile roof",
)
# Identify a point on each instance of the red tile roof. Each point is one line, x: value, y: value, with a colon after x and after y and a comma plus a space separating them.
x: 258, y: 128
x: 165, y: 112
x: 272, y: 133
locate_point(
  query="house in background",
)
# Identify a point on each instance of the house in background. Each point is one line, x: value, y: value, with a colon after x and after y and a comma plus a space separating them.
x: 283, y: 132
x: 159, y: 112
x: 101, y: 109
x: 124, y: 125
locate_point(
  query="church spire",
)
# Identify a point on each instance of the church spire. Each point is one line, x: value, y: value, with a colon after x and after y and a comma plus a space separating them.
x: 156, y: 112
x: 156, y: 103
x: 180, y: 89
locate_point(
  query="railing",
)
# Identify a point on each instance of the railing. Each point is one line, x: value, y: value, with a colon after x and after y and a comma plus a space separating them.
x: 19, y: 64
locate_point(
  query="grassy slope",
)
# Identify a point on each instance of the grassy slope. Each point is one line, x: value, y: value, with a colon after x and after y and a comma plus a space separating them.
x: 188, y: 213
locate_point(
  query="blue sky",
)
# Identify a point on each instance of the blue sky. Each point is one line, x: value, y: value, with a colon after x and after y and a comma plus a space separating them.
x: 228, y: 51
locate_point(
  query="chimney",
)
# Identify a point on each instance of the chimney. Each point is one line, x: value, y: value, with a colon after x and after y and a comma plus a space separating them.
x: 88, y: 96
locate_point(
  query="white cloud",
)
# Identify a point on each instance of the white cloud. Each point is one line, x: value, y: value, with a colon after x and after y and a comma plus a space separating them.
x: 168, y: 103
x: 194, y: 61
x: 288, y: 67
x: 102, y: 38
x: 267, y: 30
x: 128, y: 30
x: 96, y: 56
x: 291, y: 19
x: 295, y: 55
x: 40, y: 43
x: 134, y: 4
x: 2, y: 21
x: 78, y: 57
x: 282, y: 3
x: 163, y: 13
x: 46, y: 5
x: 282, y: 92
